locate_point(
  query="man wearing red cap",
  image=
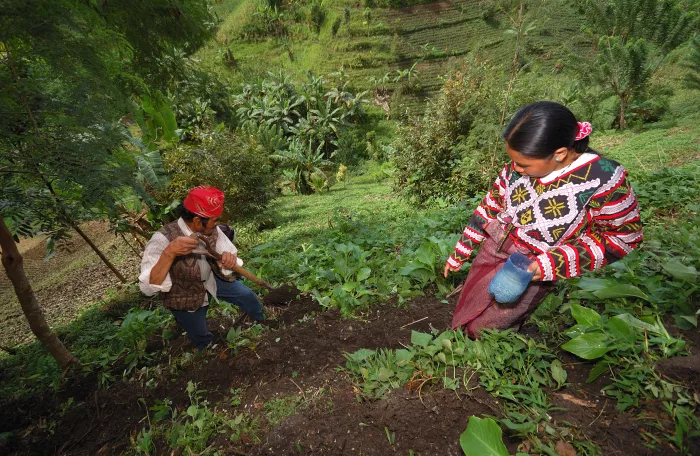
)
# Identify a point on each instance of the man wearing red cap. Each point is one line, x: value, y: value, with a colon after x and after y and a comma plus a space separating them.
x: 185, y: 280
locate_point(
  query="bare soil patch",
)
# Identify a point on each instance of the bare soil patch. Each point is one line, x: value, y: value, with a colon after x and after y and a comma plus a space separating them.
x: 65, y: 284
x: 302, y: 357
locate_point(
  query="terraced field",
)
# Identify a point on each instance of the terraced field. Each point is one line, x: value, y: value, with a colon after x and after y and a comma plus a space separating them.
x: 437, y: 35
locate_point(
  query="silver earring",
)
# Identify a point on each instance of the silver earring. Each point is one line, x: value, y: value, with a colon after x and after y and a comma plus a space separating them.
x: 557, y: 160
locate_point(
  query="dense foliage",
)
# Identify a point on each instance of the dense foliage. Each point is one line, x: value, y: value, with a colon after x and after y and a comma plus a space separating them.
x: 634, y: 37
x: 453, y: 151
x: 235, y: 163
x: 104, y: 107
x: 67, y: 74
x: 302, y: 127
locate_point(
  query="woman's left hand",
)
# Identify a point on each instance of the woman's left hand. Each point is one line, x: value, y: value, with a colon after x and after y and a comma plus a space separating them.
x: 535, y: 266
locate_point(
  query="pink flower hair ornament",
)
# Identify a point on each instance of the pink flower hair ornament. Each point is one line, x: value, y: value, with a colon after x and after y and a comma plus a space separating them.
x: 584, y: 129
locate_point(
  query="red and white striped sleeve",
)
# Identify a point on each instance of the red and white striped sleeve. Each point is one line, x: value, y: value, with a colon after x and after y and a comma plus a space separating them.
x: 614, y: 230
x: 474, y: 234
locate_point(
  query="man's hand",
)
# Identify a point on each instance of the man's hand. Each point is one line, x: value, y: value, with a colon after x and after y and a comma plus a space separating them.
x: 228, y: 260
x: 535, y: 266
x: 449, y: 268
x: 182, y: 245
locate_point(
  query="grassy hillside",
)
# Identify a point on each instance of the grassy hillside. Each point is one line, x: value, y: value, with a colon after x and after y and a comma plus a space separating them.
x: 371, y: 43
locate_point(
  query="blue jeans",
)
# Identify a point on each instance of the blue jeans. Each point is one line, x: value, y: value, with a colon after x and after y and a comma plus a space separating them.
x: 195, y: 323
x: 242, y: 296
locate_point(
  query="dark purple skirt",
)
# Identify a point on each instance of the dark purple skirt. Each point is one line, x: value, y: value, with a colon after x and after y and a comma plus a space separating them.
x: 476, y: 308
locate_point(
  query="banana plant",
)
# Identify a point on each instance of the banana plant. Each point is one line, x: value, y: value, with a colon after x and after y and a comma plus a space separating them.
x: 304, y: 160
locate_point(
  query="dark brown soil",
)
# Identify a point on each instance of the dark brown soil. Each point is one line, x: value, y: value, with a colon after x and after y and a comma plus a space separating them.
x: 684, y: 369
x: 301, y: 359
x: 281, y: 296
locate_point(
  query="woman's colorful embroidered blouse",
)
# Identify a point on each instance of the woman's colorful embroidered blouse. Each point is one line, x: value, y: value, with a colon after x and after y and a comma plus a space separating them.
x: 574, y: 221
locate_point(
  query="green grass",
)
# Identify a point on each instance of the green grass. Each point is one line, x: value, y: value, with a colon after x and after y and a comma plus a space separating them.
x: 300, y: 218
x: 655, y: 147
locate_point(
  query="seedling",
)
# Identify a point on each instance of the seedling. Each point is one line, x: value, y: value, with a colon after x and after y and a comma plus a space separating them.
x: 390, y: 436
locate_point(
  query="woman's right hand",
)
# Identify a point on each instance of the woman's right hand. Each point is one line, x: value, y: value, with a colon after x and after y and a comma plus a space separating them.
x: 449, y: 268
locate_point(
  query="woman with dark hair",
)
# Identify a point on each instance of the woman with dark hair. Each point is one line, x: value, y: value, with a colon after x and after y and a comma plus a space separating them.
x: 556, y: 210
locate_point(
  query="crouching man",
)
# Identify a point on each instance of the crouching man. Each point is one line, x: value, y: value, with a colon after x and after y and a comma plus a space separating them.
x: 184, y: 279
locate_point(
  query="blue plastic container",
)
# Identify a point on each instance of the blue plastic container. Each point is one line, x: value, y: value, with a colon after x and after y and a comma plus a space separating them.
x: 512, y: 279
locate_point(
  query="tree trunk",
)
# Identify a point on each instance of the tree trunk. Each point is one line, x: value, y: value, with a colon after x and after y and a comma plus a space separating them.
x: 623, y: 108
x: 13, y: 263
x: 99, y: 253
x: 514, y: 69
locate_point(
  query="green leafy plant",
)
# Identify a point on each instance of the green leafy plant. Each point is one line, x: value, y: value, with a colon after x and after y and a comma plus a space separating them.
x: 482, y: 437
x: 692, y: 78
x: 192, y: 428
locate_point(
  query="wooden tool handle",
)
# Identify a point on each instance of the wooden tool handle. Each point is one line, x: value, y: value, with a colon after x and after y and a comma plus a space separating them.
x: 239, y: 269
x: 249, y: 275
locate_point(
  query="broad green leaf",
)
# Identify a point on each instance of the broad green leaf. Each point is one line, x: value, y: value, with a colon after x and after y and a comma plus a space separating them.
x: 635, y: 322
x: 621, y: 290
x: 360, y: 355
x: 483, y: 437
x: 426, y: 255
x: 409, y: 268
x: 342, y: 248
x: 384, y: 374
x: 592, y: 284
x: 577, y: 330
x: 422, y: 275
x: 403, y: 355
x: 584, y: 315
x: 192, y: 410
x: 450, y: 383
x: 363, y: 274
x: 598, y: 369
x: 588, y: 346
x: 431, y: 349
x: 349, y: 286
x: 680, y: 271
x: 692, y: 319
x: 558, y: 372
x: 421, y: 339
x: 620, y: 329
x: 446, y: 344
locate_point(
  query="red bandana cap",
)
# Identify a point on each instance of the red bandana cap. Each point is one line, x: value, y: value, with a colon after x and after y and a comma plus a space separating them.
x: 207, y: 202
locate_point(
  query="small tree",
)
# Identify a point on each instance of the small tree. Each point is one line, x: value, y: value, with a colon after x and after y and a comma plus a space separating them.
x: 634, y: 37
x: 12, y: 261
x: 304, y: 161
x: 68, y: 71
x: 624, y: 69
x: 692, y: 78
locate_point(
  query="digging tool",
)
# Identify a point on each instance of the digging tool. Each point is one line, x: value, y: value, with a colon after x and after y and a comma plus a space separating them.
x: 211, y: 252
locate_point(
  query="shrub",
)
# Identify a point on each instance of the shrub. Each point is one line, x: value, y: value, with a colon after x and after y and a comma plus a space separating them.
x: 336, y: 26
x: 264, y: 21
x: 236, y: 164
x: 317, y: 15
x: 455, y: 150
x: 351, y: 147
x: 313, y: 113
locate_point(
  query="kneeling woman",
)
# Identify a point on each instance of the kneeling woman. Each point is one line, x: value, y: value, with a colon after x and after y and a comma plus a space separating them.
x: 560, y: 204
